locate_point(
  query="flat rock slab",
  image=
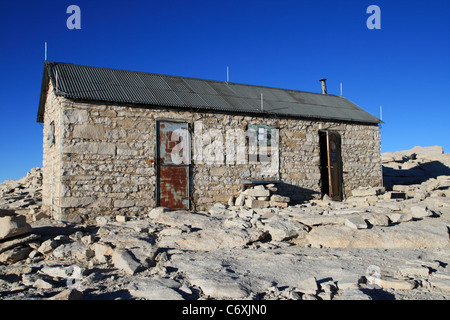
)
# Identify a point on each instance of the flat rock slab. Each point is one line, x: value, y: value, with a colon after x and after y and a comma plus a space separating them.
x: 11, y: 226
x: 11, y: 243
x: 356, y: 223
x: 441, y: 284
x: 125, y: 261
x: 181, y: 218
x: 236, y: 273
x: 15, y: 254
x: 407, y: 235
x: 420, y: 212
x: 364, y: 192
x: 155, y: 289
x: 213, y: 239
x: 340, y: 218
x: 224, y: 287
x: 283, y: 229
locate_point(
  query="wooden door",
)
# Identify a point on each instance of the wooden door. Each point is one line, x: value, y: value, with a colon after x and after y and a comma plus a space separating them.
x: 334, y: 165
x: 173, y: 160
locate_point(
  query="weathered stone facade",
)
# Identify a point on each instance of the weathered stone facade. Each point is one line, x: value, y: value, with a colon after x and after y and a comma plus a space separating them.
x: 103, y: 158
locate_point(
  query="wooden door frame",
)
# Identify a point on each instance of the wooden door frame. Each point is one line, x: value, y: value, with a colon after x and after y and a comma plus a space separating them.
x: 330, y: 192
x: 158, y: 164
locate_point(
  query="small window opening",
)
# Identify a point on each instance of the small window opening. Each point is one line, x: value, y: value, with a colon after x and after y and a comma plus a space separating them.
x: 51, y: 134
x: 259, y: 142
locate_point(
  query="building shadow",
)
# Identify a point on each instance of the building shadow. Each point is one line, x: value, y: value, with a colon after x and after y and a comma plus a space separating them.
x: 378, y: 294
x: 415, y: 175
x: 297, y: 194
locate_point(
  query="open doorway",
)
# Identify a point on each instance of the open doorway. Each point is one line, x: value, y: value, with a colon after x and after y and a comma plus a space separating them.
x: 331, y: 164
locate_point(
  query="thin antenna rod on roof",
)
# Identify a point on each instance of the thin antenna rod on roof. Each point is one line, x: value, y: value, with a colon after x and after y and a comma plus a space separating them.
x: 381, y: 113
x: 341, y: 89
x: 262, y: 103
x: 45, y: 51
x: 228, y: 74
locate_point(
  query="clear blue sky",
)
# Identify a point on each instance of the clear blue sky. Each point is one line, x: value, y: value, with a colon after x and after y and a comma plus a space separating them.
x: 404, y: 66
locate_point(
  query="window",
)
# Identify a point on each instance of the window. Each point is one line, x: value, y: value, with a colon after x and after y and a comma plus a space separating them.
x: 259, y: 143
x: 51, y: 134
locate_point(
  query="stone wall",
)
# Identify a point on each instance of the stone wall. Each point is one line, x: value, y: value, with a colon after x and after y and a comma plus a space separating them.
x: 51, y: 164
x: 108, y: 154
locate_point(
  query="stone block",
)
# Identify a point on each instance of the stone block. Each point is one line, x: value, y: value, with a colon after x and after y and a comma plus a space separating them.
x: 392, y: 283
x: 47, y: 246
x: 43, y: 284
x: 355, y: 223
x: 102, y: 250
x: 217, y: 171
x: 365, y: 192
x: 278, y: 204
x: 85, y: 131
x: 136, y: 180
x: 257, y: 193
x: 15, y: 254
x: 107, y: 148
x: 441, y: 284
x: 281, y: 229
x: 126, y: 152
x: 222, y: 197
x: 420, y: 212
x: 68, y: 294
x: 123, y: 260
x: 155, y: 212
x: 308, y: 286
x: 205, y: 200
x: 72, y: 202
x: 253, y: 204
x: 155, y: 289
x: 401, y: 188
x: 81, y: 148
x: 278, y: 198
x: 240, y: 200
x: 412, y: 270
x: 121, y: 218
x: 11, y: 226
x: 123, y: 203
x: 103, y: 203
x: 75, y: 116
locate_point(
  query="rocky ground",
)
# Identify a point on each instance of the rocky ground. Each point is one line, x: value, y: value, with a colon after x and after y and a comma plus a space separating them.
x: 378, y: 244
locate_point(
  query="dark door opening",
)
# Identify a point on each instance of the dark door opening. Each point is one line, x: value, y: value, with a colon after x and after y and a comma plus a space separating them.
x: 331, y: 164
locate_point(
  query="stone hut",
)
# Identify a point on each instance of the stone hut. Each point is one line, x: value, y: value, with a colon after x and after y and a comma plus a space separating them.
x: 121, y: 142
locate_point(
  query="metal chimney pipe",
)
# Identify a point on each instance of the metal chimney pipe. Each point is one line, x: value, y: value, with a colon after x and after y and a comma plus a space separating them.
x: 324, y: 85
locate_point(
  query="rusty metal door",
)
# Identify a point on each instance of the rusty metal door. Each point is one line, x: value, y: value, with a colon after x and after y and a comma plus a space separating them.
x: 173, y: 161
x: 334, y: 165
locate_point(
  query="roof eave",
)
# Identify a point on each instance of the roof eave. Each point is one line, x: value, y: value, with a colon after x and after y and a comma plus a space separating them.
x: 43, y: 94
x: 224, y: 110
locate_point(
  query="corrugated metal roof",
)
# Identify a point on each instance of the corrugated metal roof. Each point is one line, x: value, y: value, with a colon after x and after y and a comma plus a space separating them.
x: 131, y: 87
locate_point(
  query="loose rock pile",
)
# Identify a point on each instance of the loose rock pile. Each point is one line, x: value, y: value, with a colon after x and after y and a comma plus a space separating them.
x: 260, y: 196
x: 415, y: 165
x: 24, y: 195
